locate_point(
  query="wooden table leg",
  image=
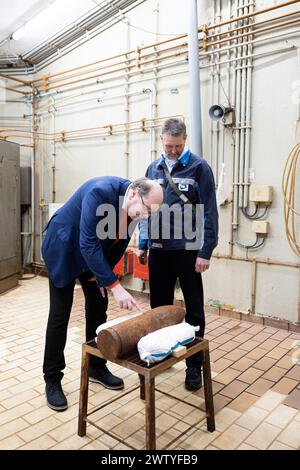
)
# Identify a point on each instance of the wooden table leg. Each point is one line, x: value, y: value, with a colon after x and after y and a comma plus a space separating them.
x: 208, y: 392
x: 84, y: 390
x: 142, y: 386
x: 150, y: 413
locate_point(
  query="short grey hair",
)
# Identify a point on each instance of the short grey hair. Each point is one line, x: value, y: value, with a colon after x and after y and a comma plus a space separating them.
x: 142, y: 185
x: 174, y: 127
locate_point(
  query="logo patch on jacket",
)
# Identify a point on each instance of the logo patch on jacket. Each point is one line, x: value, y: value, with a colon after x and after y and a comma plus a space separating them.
x: 183, y: 187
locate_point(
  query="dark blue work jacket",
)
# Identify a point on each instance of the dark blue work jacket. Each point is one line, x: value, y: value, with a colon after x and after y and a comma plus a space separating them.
x: 194, y: 178
x: 72, y: 246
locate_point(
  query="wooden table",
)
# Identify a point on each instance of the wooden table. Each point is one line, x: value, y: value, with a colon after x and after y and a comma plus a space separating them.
x: 147, y: 388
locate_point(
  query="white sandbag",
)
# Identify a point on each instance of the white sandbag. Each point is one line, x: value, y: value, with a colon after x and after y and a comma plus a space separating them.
x: 156, y: 346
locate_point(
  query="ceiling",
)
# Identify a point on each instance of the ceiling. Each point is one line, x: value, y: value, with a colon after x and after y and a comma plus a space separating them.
x: 53, y: 25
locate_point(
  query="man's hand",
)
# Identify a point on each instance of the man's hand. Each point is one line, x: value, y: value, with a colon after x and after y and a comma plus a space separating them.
x: 142, y: 256
x: 123, y: 298
x: 201, y: 265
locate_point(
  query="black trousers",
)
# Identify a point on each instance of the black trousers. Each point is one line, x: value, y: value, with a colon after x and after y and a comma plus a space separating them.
x: 164, y: 269
x: 61, y: 300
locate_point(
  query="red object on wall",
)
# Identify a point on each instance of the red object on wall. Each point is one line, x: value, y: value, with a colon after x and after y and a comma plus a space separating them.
x: 140, y: 271
x: 125, y: 265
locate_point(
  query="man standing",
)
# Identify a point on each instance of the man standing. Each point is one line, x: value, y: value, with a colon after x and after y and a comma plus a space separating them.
x: 85, y: 239
x: 188, y: 182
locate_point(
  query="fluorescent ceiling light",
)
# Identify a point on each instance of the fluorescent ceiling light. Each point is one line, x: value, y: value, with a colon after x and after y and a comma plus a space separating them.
x: 37, y: 22
x: 19, y: 33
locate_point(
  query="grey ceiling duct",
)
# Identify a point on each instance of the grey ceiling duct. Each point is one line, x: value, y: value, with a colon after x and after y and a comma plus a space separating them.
x: 87, y: 27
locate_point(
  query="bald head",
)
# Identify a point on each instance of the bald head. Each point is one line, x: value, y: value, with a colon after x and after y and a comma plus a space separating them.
x: 155, y: 195
x: 144, y: 198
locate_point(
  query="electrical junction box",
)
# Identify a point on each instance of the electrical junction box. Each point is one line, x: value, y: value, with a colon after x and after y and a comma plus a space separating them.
x: 229, y: 119
x: 261, y: 193
x: 260, y: 227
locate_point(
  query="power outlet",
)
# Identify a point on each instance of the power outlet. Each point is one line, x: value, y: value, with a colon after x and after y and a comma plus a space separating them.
x: 261, y: 193
x: 260, y: 227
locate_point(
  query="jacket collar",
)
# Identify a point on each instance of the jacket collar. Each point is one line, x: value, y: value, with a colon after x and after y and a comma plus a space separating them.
x: 183, y: 159
x: 123, y: 191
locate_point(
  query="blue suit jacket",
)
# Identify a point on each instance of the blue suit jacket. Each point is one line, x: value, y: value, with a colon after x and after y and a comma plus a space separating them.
x: 72, y: 246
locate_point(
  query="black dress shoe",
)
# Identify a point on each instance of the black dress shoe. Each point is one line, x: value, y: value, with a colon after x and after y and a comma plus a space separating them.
x: 193, y: 378
x: 55, y: 396
x: 103, y: 376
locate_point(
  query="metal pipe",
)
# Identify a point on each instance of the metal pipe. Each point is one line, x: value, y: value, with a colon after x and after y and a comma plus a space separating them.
x: 126, y: 108
x: 143, y: 63
x: 218, y: 124
x: 126, y: 61
x: 232, y: 20
x: 183, y: 62
x: 257, y: 23
x: 212, y: 96
x: 45, y: 110
x: 97, y: 76
x: 230, y: 94
x: 61, y: 82
x: 53, y: 167
x: 153, y: 116
x: 107, y: 129
x: 253, y: 286
x: 237, y: 138
x: 269, y: 261
x: 33, y: 187
x: 262, y: 11
x: 194, y: 74
x: 203, y: 55
x: 257, y: 31
x: 254, y: 56
x: 153, y: 97
x: 248, y: 121
x: 15, y: 79
x: 255, y: 13
x: 25, y: 93
x: 243, y: 110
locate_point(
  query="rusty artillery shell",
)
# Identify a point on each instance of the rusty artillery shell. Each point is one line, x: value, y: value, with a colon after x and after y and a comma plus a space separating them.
x: 119, y: 339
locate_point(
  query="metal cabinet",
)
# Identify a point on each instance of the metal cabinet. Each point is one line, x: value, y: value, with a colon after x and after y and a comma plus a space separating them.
x: 10, y: 223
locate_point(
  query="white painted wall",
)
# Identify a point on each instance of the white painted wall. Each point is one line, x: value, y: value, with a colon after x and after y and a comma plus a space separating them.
x: 273, y: 124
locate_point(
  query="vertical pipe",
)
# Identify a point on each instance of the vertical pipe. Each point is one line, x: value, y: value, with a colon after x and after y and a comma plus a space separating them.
x: 229, y: 53
x: 153, y: 115
x: 212, y: 96
x: 194, y: 74
x: 42, y: 147
x: 211, y: 121
x: 237, y: 90
x: 126, y: 106
x: 33, y: 187
x: 243, y: 111
x: 53, y: 167
x: 218, y: 125
x: 230, y: 94
x: 248, y: 115
x: 153, y: 96
x: 253, y: 289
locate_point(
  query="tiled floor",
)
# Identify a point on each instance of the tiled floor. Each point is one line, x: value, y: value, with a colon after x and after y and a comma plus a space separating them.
x: 256, y: 375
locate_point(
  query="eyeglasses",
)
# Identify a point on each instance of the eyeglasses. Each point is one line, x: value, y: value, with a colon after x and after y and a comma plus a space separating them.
x: 146, y: 207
